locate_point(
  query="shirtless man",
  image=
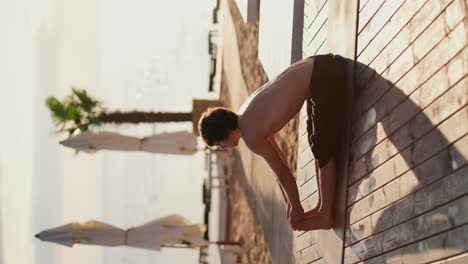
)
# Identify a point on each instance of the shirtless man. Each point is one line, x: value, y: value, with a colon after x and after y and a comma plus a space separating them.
x: 319, y: 80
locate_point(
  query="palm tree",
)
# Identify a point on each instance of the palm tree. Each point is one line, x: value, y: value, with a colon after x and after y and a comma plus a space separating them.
x: 79, y: 112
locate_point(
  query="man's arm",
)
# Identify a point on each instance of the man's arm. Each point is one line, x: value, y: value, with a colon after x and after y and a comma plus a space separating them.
x: 269, y: 150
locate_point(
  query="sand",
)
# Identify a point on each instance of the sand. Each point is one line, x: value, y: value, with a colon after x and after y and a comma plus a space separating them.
x: 243, y: 226
x: 255, y: 76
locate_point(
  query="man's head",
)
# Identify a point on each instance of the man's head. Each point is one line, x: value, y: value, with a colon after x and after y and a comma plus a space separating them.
x: 218, y: 127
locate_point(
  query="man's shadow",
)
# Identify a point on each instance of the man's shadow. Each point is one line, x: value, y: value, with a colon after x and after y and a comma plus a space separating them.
x: 406, y: 194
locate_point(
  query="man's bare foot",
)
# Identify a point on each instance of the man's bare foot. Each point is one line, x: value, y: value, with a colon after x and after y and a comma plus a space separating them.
x: 316, y: 221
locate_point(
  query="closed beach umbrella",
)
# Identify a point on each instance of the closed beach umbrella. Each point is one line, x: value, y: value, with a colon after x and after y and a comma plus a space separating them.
x: 180, y: 142
x: 92, y: 233
x: 166, y: 231
x: 169, y: 230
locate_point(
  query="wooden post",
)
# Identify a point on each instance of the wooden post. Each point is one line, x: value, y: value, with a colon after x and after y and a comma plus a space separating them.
x: 297, y: 30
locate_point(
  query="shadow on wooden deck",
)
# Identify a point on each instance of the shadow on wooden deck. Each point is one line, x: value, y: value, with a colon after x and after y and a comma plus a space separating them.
x: 407, y: 173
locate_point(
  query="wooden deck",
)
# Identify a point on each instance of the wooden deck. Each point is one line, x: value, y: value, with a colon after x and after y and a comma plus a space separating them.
x: 407, y: 196
x: 404, y: 185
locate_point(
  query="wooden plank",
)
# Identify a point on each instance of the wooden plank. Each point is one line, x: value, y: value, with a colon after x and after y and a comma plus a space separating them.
x: 316, y: 42
x: 389, y: 31
x: 312, y: 11
x: 437, y: 166
x: 379, y: 21
x: 382, y: 198
x: 306, y: 164
x: 297, y: 30
x: 310, y: 202
x: 382, y: 141
x: 318, y: 261
x: 441, y: 246
x: 460, y: 259
x: 448, y: 103
x: 437, y: 193
x: 418, y: 100
x: 312, y: 8
x: 372, y: 182
x: 362, y: 229
x: 303, y: 112
x: 303, y: 119
x: 410, y: 81
x: 441, y: 54
x: 303, y: 143
x: 316, y: 25
x: 306, y: 173
x: 308, y: 189
x: 304, y: 158
x: 366, y: 14
x: 323, y: 49
x: 303, y: 131
x: 362, y: 4
x: 418, y: 33
x: 305, y: 240
x: 302, y: 126
x: 308, y: 255
x: 438, y: 220
x: 396, y: 142
x: 449, y: 131
x: 403, y: 53
x: 446, y: 161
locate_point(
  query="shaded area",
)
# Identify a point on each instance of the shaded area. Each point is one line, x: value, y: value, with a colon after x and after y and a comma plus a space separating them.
x: 429, y: 209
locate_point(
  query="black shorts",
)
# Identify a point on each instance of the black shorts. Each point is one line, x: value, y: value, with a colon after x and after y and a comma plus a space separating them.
x: 326, y: 106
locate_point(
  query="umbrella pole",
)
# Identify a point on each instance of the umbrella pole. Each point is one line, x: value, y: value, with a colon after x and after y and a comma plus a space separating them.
x: 223, y: 242
x: 185, y: 244
x: 175, y: 246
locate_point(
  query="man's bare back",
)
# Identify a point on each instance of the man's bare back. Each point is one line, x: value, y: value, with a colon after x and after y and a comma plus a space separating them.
x: 276, y: 102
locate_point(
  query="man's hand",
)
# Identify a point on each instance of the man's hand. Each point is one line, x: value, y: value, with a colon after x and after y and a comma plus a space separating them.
x: 296, y: 214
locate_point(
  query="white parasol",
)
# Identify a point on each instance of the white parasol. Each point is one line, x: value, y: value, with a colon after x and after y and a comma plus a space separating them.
x: 179, y: 143
x: 165, y: 231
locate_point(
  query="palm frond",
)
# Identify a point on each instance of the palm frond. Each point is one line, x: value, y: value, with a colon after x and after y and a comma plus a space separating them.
x: 78, y: 111
x: 86, y: 101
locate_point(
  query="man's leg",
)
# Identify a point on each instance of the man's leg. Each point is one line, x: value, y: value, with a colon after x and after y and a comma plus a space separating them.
x: 319, y: 201
x: 324, y: 217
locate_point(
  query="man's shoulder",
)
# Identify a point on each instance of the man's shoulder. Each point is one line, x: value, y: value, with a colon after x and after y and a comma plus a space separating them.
x: 255, y: 142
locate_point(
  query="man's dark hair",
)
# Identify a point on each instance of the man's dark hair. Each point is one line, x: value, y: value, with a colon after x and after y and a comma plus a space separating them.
x: 216, y: 123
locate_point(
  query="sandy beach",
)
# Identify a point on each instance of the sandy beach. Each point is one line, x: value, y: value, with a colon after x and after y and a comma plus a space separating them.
x: 243, y: 226
x: 255, y: 76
